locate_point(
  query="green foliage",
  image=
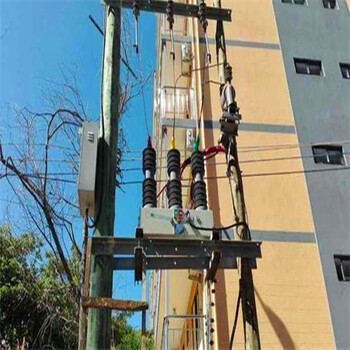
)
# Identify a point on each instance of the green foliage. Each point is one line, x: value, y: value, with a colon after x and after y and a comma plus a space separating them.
x: 125, y: 337
x: 36, y: 302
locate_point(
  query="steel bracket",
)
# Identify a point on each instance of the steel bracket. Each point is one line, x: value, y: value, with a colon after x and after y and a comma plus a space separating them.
x: 186, y: 10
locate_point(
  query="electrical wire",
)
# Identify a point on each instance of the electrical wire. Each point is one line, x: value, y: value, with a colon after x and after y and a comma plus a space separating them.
x: 136, y: 182
x: 143, y: 93
x: 33, y: 176
x: 235, y: 321
x: 220, y: 228
x: 250, y: 175
x: 174, y: 83
x: 270, y: 147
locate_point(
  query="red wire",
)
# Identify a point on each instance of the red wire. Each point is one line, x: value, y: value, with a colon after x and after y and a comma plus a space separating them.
x: 162, y: 190
x: 149, y: 142
x: 214, y: 149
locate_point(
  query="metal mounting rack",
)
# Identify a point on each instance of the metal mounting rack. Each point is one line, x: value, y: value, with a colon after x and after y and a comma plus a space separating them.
x: 168, y: 254
x: 141, y: 254
x: 213, y: 13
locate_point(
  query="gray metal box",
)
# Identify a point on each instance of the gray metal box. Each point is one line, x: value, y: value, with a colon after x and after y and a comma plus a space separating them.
x: 87, y: 171
x: 157, y: 222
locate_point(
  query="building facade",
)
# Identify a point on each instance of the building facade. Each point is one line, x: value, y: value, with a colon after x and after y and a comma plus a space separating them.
x: 291, y: 73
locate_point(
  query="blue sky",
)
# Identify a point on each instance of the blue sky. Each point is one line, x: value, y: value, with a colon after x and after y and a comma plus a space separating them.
x: 37, y: 37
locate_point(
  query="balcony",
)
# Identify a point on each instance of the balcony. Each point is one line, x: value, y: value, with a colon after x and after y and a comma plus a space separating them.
x: 188, y: 332
x: 178, y: 102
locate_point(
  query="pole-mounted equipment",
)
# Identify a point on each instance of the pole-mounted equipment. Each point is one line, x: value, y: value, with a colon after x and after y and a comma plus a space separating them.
x: 170, y: 19
x: 202, y: 16
x: 231, y: 117
x: 136, y: 12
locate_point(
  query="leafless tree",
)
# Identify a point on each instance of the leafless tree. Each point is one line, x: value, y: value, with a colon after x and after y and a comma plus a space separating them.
x: 43, y: 163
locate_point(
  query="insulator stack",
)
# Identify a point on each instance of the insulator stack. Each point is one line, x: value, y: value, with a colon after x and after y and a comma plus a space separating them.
x: 174, y: 191
x: 202, y: 14
x: 149, y: 185
x: 170, y: 14
x: 228, y: 73
x: 198, y: 188
x: 136, y: 8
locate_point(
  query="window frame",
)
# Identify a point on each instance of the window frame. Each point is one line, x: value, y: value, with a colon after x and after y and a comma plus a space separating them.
x: 327, y: 154
x: 294, y: 2
x: 339, y: 260
x: 309, y: 65
x: 328, y: 6
x: 347, y: 67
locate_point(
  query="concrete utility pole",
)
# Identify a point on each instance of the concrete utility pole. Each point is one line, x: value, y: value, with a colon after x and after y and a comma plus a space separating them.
x: 246, y: 289
x: 99, y: 321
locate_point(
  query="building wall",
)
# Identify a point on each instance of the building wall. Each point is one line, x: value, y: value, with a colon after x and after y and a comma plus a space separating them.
x: 286, y: 208
x: 292, y: 305
x: 322, y: 114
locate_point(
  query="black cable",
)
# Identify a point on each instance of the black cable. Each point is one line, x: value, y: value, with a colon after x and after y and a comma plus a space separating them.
x: 223, y: 228
x: 95, y: 24
x: 235, y: 321
x: 87, y: 219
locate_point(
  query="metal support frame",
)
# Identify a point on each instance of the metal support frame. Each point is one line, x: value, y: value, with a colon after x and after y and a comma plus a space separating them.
x: 187, y: 10
x: 88, y: 302
x: 174, y: 254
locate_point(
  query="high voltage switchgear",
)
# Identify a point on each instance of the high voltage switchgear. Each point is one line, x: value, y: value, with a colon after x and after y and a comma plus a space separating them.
x: 174, y: 220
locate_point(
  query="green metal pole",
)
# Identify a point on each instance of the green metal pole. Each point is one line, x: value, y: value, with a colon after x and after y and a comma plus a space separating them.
x: 99, y: 321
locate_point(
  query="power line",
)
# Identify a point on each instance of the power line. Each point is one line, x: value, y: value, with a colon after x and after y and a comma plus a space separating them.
x: 250, y: 148
x: 36, y: 145
x: 261, y: 160
x: 11, y: 201
x: 34, y: 176
x: 136, y: 182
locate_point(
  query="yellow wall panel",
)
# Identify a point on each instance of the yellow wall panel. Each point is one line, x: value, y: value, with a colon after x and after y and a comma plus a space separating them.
x: 274, y: 202
x: 291, y: 301
x: 252, y: 20
x: 260, y: 84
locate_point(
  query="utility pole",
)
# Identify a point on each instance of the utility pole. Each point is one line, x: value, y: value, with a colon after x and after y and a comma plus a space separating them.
x: 99, y: 321
x: 82, y: 313
x: 246, y: 287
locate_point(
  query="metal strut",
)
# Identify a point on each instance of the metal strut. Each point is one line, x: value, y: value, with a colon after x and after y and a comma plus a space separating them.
x: 170, y: 19
x: 202, y: 16
x: 136, y: 12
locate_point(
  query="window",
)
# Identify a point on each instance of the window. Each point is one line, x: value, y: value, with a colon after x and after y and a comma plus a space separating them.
x: 306, y: 66
x: 328, y: 154
x: 345, y: 70
x: 329, y: 4
x: 342, y: 265
x: 296, y: 2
